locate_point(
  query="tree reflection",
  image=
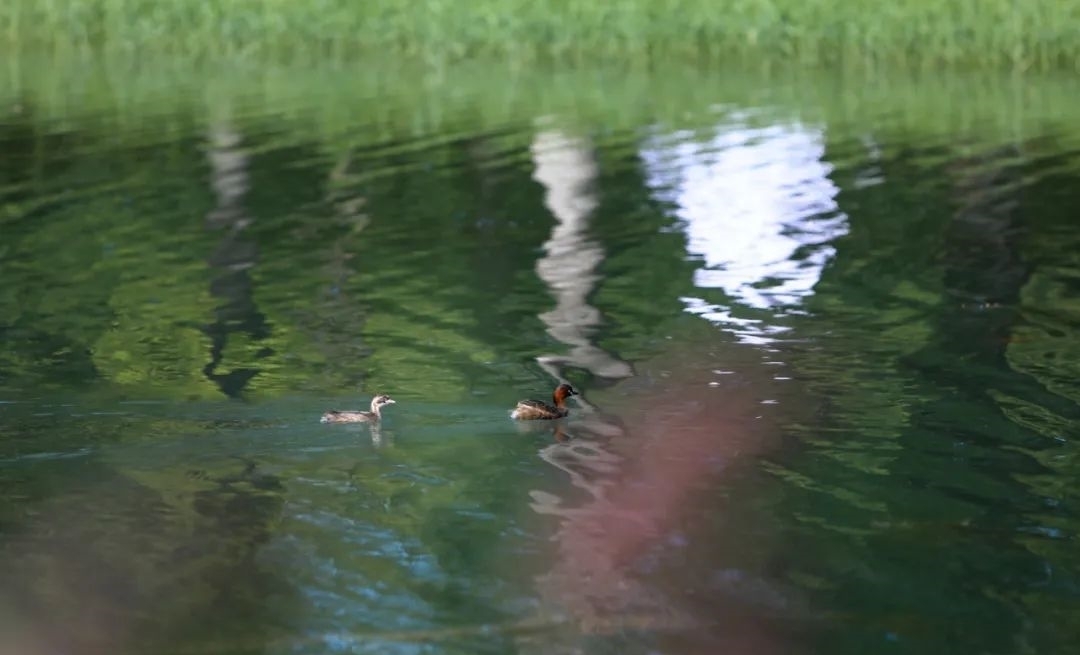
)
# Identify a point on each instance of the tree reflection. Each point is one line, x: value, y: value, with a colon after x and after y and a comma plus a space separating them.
x: 232, y: 260
x: 565, y: 167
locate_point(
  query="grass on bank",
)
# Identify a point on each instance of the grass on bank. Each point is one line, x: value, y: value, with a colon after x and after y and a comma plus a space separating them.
x: 1024, y: 34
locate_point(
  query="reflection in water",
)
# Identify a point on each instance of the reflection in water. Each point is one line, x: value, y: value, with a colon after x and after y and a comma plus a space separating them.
x: 348, y: 206
x: 620, y: 550
x: 338, y: 324
x: 758, y: 207
x: 984, y: 262
x: 639, y: 485
x: 234, y: 256
x: 377, y: 438
x: 591, y: 581
x: 133, y: 525
x: 125, y: 560
x: 565, y: 167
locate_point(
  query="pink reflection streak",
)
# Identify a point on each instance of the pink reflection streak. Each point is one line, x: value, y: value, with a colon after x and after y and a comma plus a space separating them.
x: 640, y: 485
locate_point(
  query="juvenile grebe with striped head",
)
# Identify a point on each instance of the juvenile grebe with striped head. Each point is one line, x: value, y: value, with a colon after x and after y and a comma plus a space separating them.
x: 359, y: 416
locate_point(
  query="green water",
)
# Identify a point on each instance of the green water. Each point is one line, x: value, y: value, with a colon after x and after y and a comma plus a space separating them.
x: 826, y: 331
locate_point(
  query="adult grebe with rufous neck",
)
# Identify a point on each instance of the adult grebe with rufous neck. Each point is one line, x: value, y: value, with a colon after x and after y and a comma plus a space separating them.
x: 531, y: 410
x: 359, y: 416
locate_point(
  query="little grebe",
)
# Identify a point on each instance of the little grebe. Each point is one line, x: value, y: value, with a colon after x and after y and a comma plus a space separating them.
x: 357, y: 416
x: 530, y: 410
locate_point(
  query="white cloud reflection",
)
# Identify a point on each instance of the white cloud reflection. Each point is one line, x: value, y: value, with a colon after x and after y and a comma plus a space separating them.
x: 757, y: 205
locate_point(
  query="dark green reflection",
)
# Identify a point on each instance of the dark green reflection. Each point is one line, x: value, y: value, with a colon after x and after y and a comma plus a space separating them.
x: 188, y: 278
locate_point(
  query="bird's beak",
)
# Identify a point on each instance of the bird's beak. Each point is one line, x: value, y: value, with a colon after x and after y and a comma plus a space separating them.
x: 391, y: 401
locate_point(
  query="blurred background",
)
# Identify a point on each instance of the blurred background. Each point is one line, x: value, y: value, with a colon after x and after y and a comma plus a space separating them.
x: 811, y: 265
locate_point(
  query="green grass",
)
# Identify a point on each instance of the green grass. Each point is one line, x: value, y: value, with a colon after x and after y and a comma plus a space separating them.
x: 1026, y: 34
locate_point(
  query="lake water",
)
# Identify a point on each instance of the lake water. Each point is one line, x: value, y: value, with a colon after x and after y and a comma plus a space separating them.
x: 826, y: 329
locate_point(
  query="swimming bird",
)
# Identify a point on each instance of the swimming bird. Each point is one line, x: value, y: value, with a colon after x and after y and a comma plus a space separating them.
x: 358, y: 416
x: 530, y: 410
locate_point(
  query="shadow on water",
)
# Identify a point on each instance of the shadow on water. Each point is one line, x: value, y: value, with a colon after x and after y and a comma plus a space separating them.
x: 827, y: 355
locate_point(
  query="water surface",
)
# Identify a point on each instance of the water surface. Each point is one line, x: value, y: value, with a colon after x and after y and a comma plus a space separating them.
x: 826, y: 332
